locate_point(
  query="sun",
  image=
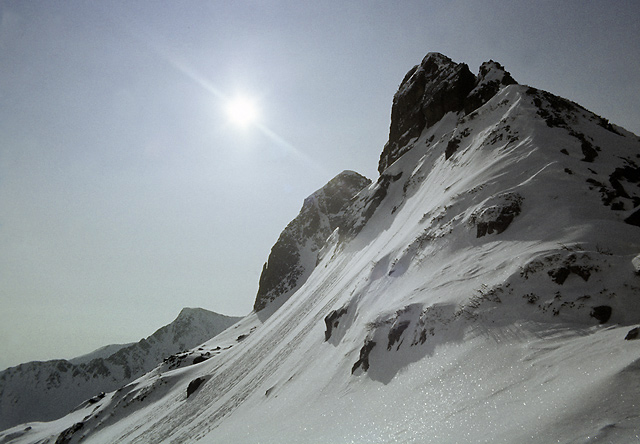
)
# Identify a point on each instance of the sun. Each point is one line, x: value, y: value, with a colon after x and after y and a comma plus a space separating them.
x: 242, y: 111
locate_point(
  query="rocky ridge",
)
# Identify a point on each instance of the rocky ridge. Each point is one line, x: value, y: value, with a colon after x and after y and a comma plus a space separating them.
x: 432, y: 89
x: 44, y: 391
x: 294, y: 256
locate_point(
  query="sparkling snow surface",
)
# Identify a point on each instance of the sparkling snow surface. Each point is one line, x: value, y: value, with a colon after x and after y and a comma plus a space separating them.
x: 509, y: 355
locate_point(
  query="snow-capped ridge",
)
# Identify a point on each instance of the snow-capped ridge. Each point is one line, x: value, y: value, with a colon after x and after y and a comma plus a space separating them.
x: 48, y: 390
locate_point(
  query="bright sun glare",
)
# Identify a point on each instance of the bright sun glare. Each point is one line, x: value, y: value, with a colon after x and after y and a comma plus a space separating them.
x: 242, y: 111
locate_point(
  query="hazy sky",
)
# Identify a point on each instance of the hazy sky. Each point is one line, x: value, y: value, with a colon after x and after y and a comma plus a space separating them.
x: 126, y: 193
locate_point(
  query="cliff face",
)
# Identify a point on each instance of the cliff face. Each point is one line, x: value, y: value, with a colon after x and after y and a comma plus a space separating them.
x: 432, y: 89
x: 295, y: 254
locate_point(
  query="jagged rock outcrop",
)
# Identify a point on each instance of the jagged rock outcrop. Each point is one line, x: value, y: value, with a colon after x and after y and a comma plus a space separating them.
x: 294, y: 255
x: 194, y: 385
x: 41, y: 391
x: 491, y: 77
x: 430, y: 90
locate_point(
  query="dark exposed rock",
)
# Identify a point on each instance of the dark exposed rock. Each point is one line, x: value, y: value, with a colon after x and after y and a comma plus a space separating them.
x: 395, y: 333
x: 608, y: 126
x: 590, y: 153
x: 588, y: 150
x: 97, y: 368
x: 287, y: 268
x: 602, y: 313
x: 452, y: 147
x: 622, y: 190
x: 617, y: 206
x: 621, y: 174
x: 560, y: 268
x: 607, y: 194
x: 630, y: 174
x: 432, y: 89
x: 633, y: 334
x: 634, y: 218
x: 364, y: 356
x: 194, y: 385
x: 67, y: 434
x: 332, y: 320
x: 491, y: 77
x: 64, y: 366
x: 504, y: 219
x: 559, y: 275
x: 381, y: 192
x: 560, y: 113
x: 497, y: 218
x: 422, y: 337
x: 361, y: 211
x: 581, y: 270
x: 199, y: 359
x: 553, y: 109
x: 96, y: 398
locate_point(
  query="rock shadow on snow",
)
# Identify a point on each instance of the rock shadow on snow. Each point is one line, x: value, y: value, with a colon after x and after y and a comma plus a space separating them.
x: 335, y: 325
x: 406, y: 336
x: 339, y: 321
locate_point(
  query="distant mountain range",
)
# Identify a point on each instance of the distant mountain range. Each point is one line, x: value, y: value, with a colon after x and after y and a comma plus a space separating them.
x: 43, y: 391
x: 484, y: 288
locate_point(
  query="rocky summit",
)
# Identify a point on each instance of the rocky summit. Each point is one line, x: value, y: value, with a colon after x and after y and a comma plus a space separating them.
x: 295, y: 254
x: 484, y: 288
x: 430, y: 90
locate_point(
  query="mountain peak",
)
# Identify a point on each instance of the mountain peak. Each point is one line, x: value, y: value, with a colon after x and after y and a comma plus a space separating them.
x: 295, y: 254
x: 187, y: 312
x: 38, y: 391
x: 493, y: 71
x: 491, y: 77
x: 435, y: 87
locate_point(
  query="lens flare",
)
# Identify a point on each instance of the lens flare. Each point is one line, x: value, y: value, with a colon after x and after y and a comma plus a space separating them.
x: 242, y: 111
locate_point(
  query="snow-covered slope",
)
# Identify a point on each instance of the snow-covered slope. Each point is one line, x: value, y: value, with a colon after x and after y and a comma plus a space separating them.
x: 483, y: 289
x: 48, y: 390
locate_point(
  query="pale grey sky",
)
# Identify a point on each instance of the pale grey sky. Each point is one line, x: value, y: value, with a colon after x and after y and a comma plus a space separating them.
x: 126, y: 194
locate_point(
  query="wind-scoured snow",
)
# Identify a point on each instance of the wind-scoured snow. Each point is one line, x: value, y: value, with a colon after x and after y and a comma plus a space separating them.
x: 482, y: 290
